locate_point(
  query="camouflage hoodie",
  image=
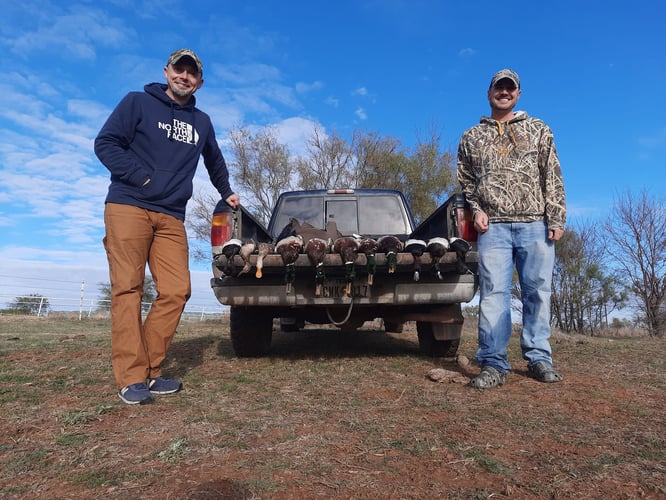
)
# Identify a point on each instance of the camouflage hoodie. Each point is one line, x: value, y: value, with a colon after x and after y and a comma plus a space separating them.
x: 511, y: 171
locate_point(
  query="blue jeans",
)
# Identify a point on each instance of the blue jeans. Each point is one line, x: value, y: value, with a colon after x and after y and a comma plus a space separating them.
x: 525, y: 245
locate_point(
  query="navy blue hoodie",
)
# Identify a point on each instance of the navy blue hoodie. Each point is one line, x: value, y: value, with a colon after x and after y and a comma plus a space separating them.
x: 150, y: 136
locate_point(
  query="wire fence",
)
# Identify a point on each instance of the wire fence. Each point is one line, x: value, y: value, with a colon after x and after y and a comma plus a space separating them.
x: 42, y: 306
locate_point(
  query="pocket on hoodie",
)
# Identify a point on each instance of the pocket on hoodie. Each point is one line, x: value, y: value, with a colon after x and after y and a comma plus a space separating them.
x: 166, y: 185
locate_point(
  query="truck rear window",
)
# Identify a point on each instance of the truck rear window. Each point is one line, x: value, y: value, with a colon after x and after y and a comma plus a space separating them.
x: 383, y: 215
x: 308, y: 209
x: 375, y: 215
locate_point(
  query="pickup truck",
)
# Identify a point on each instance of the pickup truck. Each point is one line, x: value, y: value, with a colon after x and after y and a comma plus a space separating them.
x: 395, y: 285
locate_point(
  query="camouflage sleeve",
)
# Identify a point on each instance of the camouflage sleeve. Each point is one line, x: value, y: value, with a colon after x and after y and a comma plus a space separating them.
x: 466, y: 176
x: 553, y: 184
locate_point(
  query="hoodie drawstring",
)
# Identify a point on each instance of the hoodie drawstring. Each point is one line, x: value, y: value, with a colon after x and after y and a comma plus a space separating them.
x: 173, y: 118
x: 512, y: 136
x: 509, y: 132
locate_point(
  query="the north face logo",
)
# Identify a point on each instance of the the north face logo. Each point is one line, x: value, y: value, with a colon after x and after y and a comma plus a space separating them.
x: 180, y: 131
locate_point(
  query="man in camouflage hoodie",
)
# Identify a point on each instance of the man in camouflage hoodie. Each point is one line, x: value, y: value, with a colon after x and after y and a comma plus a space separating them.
x: 510, y: 173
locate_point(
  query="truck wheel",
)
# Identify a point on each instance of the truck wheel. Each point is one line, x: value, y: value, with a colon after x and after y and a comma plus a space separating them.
x: 432, y: 347
x: 251, y: 331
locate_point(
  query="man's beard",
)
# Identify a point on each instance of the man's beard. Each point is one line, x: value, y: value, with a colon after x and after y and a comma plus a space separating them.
x: 181, y: 93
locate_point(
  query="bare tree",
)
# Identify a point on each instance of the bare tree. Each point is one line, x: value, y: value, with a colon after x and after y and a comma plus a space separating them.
x: 149, y: 295
x: 584, y: 292
x: 380, y: 161
x: 32, y: 303
x: 262, y: 167
x: 328, y: 163
x: 470, y: 312
x: 637, y: 232
x: 425, y: 174
x: 199, y: 220
x: 430, y: 176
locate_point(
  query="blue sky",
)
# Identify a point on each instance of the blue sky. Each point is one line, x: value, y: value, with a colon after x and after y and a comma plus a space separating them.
x: 594, y: 71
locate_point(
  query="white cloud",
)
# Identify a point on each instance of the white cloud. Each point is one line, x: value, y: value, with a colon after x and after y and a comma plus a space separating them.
x: 332, y: 101
x: 296, y: 132
x: 246, y: 74
x: 20, y: 257
x: 251, y: 92
x: 361, y: 114
x: 302, y: 87
x: 656, y: 140
x: 360, y: 91
x: 91, y: 111
x: 76, y: 33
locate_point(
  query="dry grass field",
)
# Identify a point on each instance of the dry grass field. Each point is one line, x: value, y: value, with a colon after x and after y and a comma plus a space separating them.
x: 326, y: 415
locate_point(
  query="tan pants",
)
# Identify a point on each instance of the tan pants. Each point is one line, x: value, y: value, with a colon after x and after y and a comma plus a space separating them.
x: 133, y: 237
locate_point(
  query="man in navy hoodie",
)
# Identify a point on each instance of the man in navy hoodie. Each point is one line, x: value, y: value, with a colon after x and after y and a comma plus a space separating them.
x: 151, y: 143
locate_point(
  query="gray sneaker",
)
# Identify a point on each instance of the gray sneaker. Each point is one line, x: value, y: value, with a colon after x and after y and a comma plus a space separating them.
x: 544, y: 372
x: 488, y: 378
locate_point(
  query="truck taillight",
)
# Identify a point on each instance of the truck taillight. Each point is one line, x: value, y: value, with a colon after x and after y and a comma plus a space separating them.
x: 465, y: 223
x: 221, y: 229
x: 340, y: 191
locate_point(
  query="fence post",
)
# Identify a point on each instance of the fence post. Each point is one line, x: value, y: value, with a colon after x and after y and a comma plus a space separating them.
x: 83, y: 282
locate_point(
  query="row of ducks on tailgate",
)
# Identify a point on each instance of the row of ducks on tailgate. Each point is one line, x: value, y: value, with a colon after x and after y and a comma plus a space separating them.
x: 348, y: 247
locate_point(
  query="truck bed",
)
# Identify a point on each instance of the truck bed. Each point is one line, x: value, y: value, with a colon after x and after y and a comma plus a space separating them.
x: 394, y: 288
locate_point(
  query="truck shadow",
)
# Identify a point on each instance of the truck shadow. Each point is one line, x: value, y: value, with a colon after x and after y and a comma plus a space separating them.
x: 184, y: 355
x: 332, y: 344
x: 307, y: 344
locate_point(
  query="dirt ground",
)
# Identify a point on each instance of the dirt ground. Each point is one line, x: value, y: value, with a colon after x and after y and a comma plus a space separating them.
x: 327, y: 415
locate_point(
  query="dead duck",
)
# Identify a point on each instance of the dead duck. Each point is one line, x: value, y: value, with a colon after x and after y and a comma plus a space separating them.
x: 460, y: 247
x: 230, y: 249
x: 263, y: 249
x: 368, y: 247
x: 246, y: 250
x: 316, y: 250
x: 289, y: 248
x: 391, y: 246
x: 437, y: 248
x: 416, y: 248
x: 347, y: 248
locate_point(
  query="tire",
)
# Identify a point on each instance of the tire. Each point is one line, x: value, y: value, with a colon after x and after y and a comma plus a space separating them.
x: 251, y: 332
x: 432, y: 347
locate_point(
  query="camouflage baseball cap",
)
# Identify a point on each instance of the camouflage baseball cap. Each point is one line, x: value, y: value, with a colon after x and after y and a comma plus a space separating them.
x: 505, y: 73
x: 180, y: 53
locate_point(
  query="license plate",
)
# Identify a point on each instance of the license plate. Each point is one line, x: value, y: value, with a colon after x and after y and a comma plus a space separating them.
x: 336, y: 288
